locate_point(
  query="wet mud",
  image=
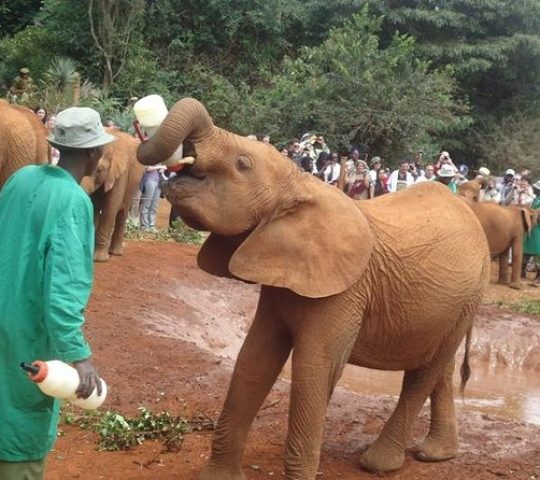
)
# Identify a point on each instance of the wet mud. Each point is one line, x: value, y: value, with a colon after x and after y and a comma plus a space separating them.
x: 165, y: 336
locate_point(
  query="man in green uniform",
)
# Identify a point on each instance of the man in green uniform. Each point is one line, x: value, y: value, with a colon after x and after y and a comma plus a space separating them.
x: 531, y: 242
x: 446, y: 175
x: 46, y: 270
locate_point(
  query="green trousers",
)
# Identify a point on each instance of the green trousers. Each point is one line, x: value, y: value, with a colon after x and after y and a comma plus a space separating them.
x: 22, y: 470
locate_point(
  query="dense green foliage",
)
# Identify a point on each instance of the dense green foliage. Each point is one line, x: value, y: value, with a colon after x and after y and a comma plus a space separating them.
x: 393, y: 75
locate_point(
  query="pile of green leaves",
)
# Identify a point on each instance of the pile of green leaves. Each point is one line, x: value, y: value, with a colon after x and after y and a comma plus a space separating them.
x: 179, y: 232
x: 121, y: 432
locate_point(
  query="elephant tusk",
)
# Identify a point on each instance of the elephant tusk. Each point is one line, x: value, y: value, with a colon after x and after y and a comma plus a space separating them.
x: 187, y: 161
x: 177, y: 165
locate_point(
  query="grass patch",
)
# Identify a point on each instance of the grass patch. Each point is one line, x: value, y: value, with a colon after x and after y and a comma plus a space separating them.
x: 532, y: 307
x: 179, y: 232
x: 119, y: 432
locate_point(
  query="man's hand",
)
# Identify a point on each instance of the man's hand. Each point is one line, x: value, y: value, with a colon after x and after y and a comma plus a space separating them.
x: 89, y: 379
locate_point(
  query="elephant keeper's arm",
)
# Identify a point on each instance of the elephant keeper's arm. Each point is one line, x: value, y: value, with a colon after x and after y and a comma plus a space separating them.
x: 68, y: 281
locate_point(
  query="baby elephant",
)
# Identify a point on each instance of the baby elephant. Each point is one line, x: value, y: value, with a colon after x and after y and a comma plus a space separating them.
x: 391, y: 283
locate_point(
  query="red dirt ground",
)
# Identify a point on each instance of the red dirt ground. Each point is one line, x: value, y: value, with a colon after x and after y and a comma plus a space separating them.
x: 141, y: 302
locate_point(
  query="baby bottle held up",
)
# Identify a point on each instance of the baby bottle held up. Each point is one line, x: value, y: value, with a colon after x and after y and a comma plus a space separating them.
x: 60, y: 380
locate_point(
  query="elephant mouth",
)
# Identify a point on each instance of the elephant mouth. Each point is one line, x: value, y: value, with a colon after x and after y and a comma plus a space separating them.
x: 189, y: 170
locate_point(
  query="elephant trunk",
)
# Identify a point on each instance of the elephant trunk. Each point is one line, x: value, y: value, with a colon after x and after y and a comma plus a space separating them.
x: 188, y: 119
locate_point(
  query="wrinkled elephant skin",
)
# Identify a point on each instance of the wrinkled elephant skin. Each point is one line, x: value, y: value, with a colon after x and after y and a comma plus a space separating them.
x: 391, y: 283
x: 23, y: 139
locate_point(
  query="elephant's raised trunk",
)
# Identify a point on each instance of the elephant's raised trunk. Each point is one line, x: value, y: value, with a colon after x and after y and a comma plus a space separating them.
x: 188, y: 119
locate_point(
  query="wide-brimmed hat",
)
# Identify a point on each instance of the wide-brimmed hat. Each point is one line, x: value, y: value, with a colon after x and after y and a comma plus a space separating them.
x: 536, y: 185
x: 375, y: 160
x: 446, y: 171
x: 79, y: 127
x: 484, y: 171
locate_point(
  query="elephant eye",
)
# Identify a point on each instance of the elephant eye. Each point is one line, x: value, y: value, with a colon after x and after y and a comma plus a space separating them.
x: 243, y: 163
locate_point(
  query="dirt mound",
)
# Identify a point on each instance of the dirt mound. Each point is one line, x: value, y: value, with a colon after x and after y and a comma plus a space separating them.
x: 164, y: 335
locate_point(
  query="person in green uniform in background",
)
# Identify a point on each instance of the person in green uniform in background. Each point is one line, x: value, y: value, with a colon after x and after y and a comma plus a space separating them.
x: 531, y: 243
x: 46, y: 273
x: 446, y: 175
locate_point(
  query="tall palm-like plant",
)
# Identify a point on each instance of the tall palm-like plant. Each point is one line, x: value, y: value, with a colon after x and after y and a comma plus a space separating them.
x: 61, y: 85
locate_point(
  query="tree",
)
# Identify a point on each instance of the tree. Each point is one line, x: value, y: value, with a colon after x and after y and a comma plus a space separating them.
x: 353, y: 91
x: 112, y: 24
x: 16, y: 15
x: 492, y: 45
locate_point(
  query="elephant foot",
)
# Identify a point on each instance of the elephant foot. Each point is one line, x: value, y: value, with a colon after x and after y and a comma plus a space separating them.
x: 515, y: 285
x: 214, y: 473
x: 117, y: 251
x: 380, y: 460
x: 437, y: 449
x: 101, y: 255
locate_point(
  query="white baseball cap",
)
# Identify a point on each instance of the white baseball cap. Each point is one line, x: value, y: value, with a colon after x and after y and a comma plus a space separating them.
x: 510, y: 171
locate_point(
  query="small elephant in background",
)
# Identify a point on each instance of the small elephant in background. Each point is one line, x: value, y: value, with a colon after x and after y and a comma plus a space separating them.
x: 472, y: 189
x: 111, y: 189
x: 505, y: 228
x: 23, y: 139
x: 392, y: 283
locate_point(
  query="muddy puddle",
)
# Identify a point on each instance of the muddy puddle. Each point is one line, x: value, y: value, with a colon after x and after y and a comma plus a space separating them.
x: 505, y: 354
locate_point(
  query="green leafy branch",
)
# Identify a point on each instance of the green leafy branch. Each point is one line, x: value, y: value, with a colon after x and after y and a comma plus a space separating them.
x: 120, y: 432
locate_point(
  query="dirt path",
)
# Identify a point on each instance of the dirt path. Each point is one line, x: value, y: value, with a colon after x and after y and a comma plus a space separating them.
x: 152, y: 320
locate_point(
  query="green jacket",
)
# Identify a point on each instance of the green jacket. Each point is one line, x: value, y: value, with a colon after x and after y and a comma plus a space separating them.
x: 531, y: 243
x: 46, y: 271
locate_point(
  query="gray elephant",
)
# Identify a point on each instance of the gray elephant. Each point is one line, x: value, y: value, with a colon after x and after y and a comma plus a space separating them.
x: 391, y: 283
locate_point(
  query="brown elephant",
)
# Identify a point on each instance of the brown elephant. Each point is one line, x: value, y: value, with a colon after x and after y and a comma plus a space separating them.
x: 472, y: 190
x: 505, y: 227
x: 23, y: 139
x: 112, y: 188
x: 391, y: 283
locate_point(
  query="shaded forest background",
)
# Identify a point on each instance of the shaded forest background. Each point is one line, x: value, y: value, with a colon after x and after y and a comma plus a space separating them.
x: 394, y: 76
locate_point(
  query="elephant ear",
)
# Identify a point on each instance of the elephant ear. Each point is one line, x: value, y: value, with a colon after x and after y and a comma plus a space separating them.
x: 317, y: 245
x: 117, y: 154
x: 528, y: 220
x: 214, y: 255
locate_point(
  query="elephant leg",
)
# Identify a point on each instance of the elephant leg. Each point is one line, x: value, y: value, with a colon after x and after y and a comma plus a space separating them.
x: 517, y: 259
x: 117, y: 239
x: 107, y: 218
x: 259, y: 362
x: 503, y: 267
x: 388, y: 452
x: 441, y: 443
x: 317, y: 366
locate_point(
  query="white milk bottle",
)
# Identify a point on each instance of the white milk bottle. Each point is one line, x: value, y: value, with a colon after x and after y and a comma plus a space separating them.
x: 150, y: 112
x: 60, y: 380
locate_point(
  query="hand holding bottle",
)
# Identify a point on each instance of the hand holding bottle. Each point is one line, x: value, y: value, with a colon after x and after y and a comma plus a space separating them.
x: 89, y: 379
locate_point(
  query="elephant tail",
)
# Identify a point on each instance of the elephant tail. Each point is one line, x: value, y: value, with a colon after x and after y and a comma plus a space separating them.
x: 465, y: 369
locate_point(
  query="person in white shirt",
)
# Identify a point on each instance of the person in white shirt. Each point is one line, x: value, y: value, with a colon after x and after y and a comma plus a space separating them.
x: 401, y: 178
x: 428, y: 175
x: 332, y: 170
x: 376, y: 165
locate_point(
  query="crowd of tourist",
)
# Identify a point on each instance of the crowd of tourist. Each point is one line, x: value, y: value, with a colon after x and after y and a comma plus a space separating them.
x: 366, y: 178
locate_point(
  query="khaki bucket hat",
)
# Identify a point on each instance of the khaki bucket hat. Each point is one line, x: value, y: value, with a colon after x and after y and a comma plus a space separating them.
x: 79, y: 127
